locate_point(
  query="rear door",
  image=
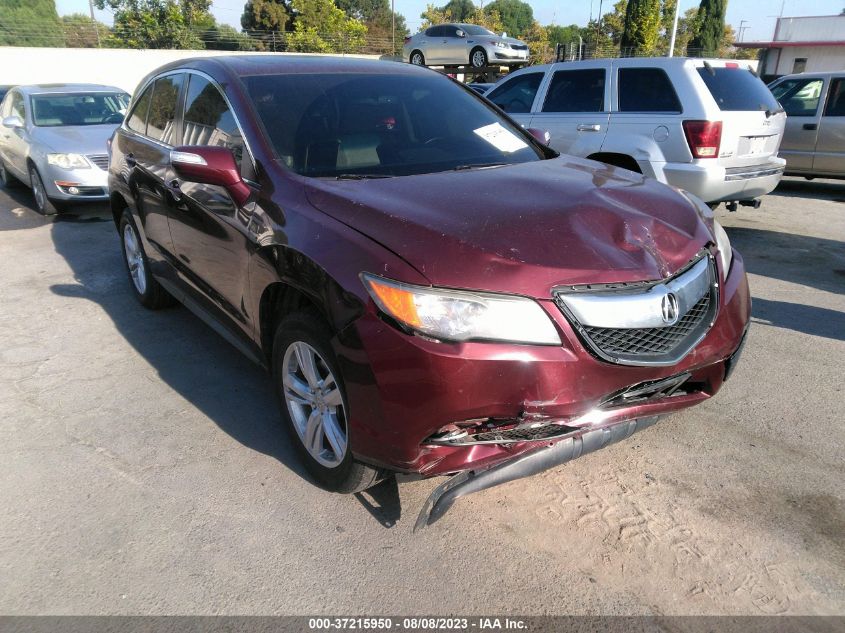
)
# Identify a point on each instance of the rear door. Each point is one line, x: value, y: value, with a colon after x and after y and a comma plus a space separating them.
x: 434, y: 45
x: 574, y: 107
x: 209, y: 230
x: 830, y: 149
x: 801, y: 99
x: 516, y: 95
x: 752, y: 120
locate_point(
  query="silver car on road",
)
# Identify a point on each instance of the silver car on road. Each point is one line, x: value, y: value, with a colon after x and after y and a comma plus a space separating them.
x: 54, y: 138
x: 464, y: 44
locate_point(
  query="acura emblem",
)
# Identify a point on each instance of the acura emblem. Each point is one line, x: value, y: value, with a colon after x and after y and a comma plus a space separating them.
x: 669, y: 308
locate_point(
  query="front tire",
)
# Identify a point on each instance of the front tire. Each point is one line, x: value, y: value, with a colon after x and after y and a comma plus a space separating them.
x: 417, y: 58
x: 478, y: 58
x: 144, y: 286
x: 313, y: 404
x: 43, y: 204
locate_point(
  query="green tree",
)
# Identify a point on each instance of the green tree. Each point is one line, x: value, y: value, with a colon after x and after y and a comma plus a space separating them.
x: 641, y: 27
x: 222, y: 37
x: 30, y: 23
x: 320, y: 27
x: 604, y: 36
x: 266, y: 15
x: 83, y: 32
x: 517, y: 16
x: 158, y: 23
x: 460, y: 10
x: 377, y: 17
x: 711, y: 28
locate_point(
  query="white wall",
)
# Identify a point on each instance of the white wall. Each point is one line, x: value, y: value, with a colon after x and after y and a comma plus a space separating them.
x: 822, y: 28
x: 119, y: 67
x: 819, y: 59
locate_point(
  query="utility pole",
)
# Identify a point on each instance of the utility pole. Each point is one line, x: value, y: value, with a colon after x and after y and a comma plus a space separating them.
x: 94, y: 21
x: 393, y: 25
x: 671, y: 52
x: 598, y: 29
x: 741, y: 29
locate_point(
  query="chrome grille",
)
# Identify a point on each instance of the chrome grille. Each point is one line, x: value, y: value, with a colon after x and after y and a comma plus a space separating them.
x: 656, y: 340
x: 100, y: 160
x: 624, y: 325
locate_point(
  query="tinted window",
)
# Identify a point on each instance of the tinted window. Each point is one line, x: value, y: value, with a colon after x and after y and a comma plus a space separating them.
x: 94, y: 108
x: 375, y: 124
x: 162, y: 115
x: 737, y: 90
x: 799, y: 97
x: 836, y: 98
x: 208, y: 119
x: 516, y: 95
x: 450, y: 31
x: 472, y: 29
x: 576, y: 91
x: 435, y: 31
x: 137, y: 120
x: 646, y: 90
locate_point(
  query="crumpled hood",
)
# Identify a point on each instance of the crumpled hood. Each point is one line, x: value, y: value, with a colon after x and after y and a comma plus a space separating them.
x: 523, y: 229
x: 76, y: 139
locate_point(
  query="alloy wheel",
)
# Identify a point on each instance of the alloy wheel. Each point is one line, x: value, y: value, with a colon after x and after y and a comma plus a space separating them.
x: 417, y: 59
x: 38, y: 191
x: 315, y: 403
x: 479, y: 59
x: 134, y: 259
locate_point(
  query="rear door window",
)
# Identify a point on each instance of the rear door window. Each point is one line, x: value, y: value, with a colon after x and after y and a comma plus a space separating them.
x: 799, y: 97
x: 576, y: 91
x: 162, y: 117
x: 517, y: 95
x: 647, y: 90
x: 738, y: 90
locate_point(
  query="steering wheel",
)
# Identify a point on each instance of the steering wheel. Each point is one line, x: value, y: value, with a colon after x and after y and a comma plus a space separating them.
x: 434, y: 139
x: 114, y: 117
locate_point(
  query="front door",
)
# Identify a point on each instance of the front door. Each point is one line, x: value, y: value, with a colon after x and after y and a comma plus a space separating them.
x: 15, y: 140
x: 801, y: 99
x: 209, y: 230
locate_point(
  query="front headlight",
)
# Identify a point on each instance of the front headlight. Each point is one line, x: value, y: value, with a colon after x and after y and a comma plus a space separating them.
x: 68, y: 161
x: 724, y: 245
x: 499, y: 44
x: 454, y: 315
x: 722, y: 241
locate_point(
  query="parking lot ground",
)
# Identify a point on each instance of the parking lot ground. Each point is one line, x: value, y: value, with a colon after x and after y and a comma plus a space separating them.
x: 143, y: 468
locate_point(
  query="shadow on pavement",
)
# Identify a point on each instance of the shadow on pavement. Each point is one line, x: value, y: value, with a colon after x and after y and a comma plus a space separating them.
x: 801, y: 318
x: 186, y: 354
x: 810, y: 261
x: 817, y: 189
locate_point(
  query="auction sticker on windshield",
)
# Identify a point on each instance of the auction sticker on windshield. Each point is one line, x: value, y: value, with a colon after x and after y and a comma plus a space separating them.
x: 500, y: 138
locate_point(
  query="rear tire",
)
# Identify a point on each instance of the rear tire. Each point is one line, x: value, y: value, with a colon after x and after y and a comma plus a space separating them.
x: 312, y: 401
x: 144, y: 286
x: 417, y: 58
x: 43, y: 204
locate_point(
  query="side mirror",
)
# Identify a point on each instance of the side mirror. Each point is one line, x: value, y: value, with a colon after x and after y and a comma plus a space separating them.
x: 12, y: 122
x: 210, y: 166
x: 460, y: 33
x: 542, y: 136
x: 504, y: 34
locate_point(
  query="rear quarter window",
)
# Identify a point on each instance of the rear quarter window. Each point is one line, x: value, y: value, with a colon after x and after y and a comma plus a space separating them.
x: 738, y: 90
x: 647, y: 90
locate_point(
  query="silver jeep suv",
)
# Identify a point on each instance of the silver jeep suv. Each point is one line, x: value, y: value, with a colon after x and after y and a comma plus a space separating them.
x: 710, y: 127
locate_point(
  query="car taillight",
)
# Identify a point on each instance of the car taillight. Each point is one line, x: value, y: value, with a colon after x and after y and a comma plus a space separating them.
x: 407, y: 39
x: 703, y: 137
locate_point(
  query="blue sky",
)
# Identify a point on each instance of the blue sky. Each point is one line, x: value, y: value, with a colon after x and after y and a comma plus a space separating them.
x: 758, y: 14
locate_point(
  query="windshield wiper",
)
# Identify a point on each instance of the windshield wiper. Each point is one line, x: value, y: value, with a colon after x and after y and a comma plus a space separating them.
x: 361, y: 176
x: 477, y: 166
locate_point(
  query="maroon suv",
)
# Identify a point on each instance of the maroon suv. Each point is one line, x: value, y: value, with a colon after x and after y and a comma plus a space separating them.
x: 434, y: 290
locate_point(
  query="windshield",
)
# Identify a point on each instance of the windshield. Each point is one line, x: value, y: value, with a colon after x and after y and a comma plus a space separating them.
x: 346, y: 124
x: 472, y: 29
x: 94, y: 108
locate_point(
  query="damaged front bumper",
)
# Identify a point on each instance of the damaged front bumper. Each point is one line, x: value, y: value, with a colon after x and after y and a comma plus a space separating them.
x: 580, y: 442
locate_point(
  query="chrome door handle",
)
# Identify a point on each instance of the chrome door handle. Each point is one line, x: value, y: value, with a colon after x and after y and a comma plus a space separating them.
x: 589, y: 127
